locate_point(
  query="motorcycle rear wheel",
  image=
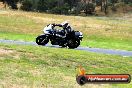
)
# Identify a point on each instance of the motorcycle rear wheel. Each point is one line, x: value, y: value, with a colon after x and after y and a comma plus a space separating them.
x: 42, y: 40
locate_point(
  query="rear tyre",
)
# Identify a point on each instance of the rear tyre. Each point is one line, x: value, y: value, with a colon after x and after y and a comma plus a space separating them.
x: 73, y: 43
x: 42, y: 40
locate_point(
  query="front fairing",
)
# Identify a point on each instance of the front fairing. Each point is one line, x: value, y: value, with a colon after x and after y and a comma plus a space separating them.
x: 79, y: 35
x: 47, y: 29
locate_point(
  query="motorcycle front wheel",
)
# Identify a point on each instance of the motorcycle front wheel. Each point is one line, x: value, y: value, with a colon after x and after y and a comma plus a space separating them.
x: 42, y: 40
x: 73, y: 43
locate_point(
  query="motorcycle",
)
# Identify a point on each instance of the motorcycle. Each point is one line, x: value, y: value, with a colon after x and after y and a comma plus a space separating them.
x: 60, y: 37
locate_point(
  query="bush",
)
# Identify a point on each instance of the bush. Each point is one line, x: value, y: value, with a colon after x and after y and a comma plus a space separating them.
x: 127, y: 1
x: 130, y: 4
x: 27, y: 5
x: 113, y: 8
x: 98, y: 2
x: 56, y: 10
x: 61, y: 9
x: 89, y: 8
x: 42, y: 6
x: 65, y: 8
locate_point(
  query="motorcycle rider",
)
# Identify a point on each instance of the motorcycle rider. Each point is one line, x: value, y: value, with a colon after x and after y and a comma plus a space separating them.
x: 66, y: 27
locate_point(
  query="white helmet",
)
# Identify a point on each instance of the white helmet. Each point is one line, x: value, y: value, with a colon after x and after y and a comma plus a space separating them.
x: 65, y: 24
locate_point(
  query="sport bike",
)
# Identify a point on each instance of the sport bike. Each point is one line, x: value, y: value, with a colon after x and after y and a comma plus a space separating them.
x: 62, y: 38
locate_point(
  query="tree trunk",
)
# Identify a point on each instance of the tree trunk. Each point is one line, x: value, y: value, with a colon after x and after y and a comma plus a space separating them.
x: 101, y: 5
x: 106, y: 7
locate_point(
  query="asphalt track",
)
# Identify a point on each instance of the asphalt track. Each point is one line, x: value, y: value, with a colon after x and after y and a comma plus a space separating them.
x: 96, y: 50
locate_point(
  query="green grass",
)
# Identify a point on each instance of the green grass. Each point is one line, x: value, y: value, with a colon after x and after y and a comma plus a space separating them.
x: 107, y: 42
x: 99, y: 32
x: 37, y: 66
x: 17, y: 36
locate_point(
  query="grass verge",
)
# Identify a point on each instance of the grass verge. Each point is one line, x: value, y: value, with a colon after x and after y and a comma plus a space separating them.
x: 37, y: 66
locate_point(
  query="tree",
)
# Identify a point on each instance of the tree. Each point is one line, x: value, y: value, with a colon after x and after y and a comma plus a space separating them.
x: 71, y: 3
x: 53, y: 6
x: 63, y: 9
x: 27, y: 5
x: 11, y: 3
x: 42, y: 5
x: 88, y: 6
x: 105, y: 6
x: 79, y: 7
x: 113, y: 2
x: 127, y: 1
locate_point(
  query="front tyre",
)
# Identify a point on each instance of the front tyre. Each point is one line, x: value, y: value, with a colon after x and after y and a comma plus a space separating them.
x: 73, y: 43
x: 42, y: 40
